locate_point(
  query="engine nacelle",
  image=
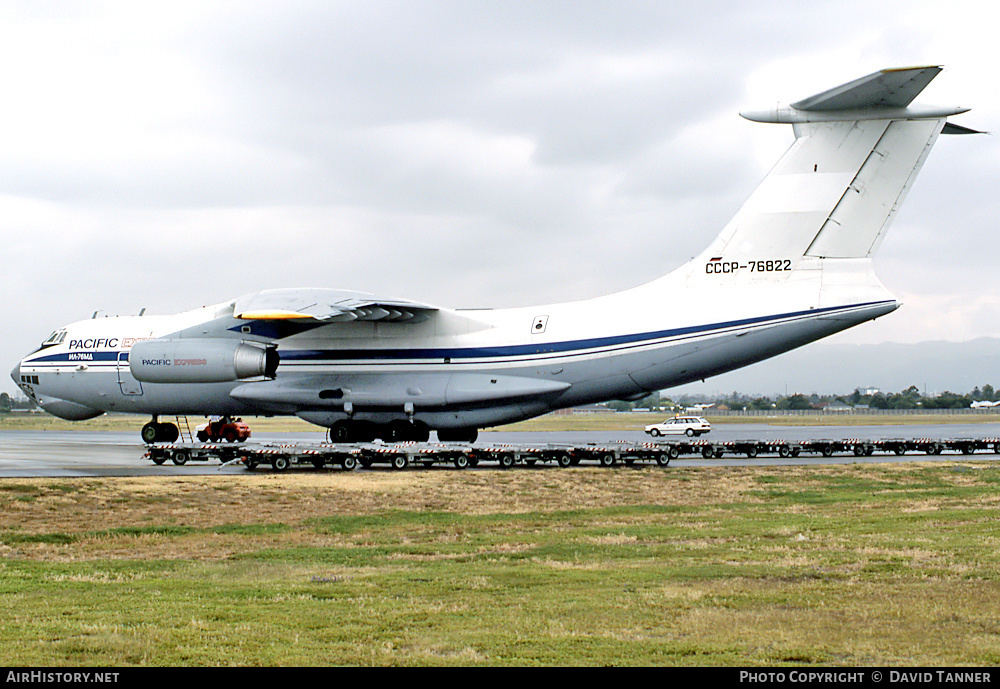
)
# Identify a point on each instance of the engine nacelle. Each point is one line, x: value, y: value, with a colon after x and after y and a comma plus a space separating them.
x: 201, y: 360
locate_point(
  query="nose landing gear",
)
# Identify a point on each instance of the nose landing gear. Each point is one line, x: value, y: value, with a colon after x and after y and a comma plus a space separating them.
x: 156, y: 432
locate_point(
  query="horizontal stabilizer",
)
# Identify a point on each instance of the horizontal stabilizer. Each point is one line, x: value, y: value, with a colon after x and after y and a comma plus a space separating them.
x: 889, y: 88
x: 950, y: 128
x: 884, y: 95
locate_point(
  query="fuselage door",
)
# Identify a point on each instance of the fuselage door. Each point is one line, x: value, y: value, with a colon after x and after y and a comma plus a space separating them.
x: 126, y: 381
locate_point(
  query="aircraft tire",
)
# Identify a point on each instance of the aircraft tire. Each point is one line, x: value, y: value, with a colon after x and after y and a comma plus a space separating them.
x: 421, y: 432
x: 458, y: 435
x: 150, y: 433
x: 170, y: 432
x: 340, y: 432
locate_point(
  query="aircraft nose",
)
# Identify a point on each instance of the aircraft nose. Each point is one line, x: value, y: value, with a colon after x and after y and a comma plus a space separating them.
x: 15, y: 374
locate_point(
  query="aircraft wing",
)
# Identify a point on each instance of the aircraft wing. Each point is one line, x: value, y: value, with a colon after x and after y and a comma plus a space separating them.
x: 327, y: 306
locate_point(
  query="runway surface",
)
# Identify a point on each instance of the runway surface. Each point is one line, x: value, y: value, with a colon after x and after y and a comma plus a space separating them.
x: 94, y: 453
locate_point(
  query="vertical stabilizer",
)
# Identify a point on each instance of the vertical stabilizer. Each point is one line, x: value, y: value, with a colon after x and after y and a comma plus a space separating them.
x: 857, y: 150
x: 856, y: 225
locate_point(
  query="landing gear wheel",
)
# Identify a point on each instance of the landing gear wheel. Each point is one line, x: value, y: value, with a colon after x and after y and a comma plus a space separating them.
x: 150, y: 433
x: 154, y: 432
x: 340, y: 432
x: 396, y: 432
x: 170, y: 432
x: 458, y: 435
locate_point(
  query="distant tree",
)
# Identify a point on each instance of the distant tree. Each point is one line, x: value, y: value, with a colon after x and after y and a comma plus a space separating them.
x: 878, y: 401
x: 5, y: 402
x: 796, y: 401
x: 948, y: 400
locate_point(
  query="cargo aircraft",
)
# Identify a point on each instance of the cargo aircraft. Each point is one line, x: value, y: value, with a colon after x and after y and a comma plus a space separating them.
x: 794, y: 265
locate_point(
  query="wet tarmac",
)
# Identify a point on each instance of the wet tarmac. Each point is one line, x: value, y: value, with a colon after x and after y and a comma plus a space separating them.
x: 100, y: 453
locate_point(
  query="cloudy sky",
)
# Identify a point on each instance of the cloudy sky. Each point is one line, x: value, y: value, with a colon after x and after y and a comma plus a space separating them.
x: 170, y: 155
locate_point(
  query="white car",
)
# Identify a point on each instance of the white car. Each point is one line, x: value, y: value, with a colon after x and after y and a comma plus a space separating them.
x: 680, y: 425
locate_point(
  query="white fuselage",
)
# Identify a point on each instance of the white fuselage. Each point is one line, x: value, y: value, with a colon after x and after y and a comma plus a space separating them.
x: 683, y: 327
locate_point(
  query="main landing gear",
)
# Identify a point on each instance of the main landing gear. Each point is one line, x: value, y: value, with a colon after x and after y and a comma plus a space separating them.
x: 156, y: 432
x: 395, y: 432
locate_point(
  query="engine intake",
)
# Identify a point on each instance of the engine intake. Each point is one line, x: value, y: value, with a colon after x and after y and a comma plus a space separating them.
x: 200, y: 360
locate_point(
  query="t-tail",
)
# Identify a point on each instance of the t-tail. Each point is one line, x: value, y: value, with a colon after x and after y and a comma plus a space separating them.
x: 795, y: 263
x: 828, y: 202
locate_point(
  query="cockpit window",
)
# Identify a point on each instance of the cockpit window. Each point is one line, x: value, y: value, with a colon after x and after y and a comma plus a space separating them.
x: 55, y: 338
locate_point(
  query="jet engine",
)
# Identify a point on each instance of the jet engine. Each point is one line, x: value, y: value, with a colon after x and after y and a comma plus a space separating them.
x: 201, y: 360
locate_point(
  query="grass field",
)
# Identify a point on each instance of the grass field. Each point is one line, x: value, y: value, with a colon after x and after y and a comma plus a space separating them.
x: 875, y: 564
